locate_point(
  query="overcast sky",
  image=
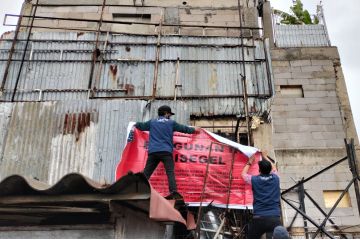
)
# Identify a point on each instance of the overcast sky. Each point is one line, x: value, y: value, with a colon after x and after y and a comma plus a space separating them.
x: 342, y: 18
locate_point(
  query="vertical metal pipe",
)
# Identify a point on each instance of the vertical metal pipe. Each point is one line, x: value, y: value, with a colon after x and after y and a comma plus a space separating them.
x: 156, y: 70
x: 302, y: 207
x: 6, y: 73
x: 202, y: 194
x: 96, y: 49
x: 176, y: 79
x: 24, y: 53
x: 243, y: 76
x: 98, y: 75
x: 354, y: 170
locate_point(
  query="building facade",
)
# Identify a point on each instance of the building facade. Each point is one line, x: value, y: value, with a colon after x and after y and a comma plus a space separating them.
x: 74, y: 75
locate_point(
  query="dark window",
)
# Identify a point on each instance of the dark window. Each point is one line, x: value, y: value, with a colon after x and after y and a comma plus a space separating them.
x: 291, y: 91
x: 131, y: 15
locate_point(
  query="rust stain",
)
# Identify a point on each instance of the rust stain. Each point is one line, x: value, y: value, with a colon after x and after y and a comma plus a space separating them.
x: 76, y: 123
x: 129, y: 88
x: 79, y: 34
x: 5, y: 34
x: 253, y: 108
x: 113, y: 71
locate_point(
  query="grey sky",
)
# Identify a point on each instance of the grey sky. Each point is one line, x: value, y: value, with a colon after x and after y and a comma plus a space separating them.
x: 342, y: 22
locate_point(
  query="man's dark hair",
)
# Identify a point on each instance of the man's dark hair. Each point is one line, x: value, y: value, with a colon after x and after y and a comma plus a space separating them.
x: 164, y: 109
x: 265, y: 167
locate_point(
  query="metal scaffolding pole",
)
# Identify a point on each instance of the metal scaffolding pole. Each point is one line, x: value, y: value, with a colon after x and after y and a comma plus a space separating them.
x: 24, y: 53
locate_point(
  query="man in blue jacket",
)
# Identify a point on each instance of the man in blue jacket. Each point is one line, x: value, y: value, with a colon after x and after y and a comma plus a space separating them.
x: 266, y: 194
x: 161, y: 145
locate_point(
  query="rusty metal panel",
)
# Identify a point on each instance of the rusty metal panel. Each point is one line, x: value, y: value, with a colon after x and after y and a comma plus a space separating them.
x: 49, y: 140
x: 58, y: 66
x: 5, y: 113
x: 135, y: 77
x: 301, y: 36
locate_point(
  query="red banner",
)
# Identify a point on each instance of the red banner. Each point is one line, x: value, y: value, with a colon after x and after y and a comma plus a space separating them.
x: 192, y: 155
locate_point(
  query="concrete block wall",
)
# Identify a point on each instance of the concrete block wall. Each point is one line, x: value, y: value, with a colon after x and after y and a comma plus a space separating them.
x: 311, y: 121
x: 190, y: 12
x: 308, y: 131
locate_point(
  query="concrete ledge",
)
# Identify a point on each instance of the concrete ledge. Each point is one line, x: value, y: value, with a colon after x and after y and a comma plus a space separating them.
x: 311, y: 53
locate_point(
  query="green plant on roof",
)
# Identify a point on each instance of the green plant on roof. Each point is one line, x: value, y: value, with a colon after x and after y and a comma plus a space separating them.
x: 299, y: 16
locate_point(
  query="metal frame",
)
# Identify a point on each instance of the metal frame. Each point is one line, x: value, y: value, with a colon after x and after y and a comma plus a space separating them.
x: 225, y: 216
x: 96, y: 53
x: 299, y: 188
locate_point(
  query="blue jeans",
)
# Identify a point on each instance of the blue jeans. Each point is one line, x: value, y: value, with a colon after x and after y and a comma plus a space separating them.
x: 167, y: 159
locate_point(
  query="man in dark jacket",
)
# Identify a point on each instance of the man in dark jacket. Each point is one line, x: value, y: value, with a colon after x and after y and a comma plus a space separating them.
x: 266, y: 194
x: 161, y: 145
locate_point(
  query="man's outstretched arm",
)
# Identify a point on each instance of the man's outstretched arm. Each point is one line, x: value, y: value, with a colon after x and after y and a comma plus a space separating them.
x: 143, y: 126
x: 244, y: 173
x: 184, y: 129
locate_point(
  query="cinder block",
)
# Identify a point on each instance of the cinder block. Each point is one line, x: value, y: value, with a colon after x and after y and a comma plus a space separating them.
x: 323, y: 107
x: 328, y: 68
x: 323, y: 80
x: 281, y: 81
x: 325, y: 100
x: 299, y: 81
x: 295, y: 69
x: 350, y: 220
x: 314, y: 94
x: 323, y: 74
x: 333, y: 128
x: 281, y: 129
x: 299, y: 63
x: 296, y: 107
x: 309, y: 100
x: 302, y: 75
x: 335, y: 142
x: 311, y: 68
x: 319, y: 87
x: 276, y: 64
x: 321, y: 121
x: 317, y: 135
x: 298, y: 121
x: 284, y: 101
x: 322, y: 62
x: 330, y: 114
x: 281, y: 136
x: 281, y: 69
x: 299, y: 135
x: 282, y: 75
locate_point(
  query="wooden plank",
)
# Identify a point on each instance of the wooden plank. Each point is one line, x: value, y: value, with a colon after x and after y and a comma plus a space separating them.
x: 72, y: 198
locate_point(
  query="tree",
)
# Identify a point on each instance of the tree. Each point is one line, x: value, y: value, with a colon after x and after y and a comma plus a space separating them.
x: 299, y: 16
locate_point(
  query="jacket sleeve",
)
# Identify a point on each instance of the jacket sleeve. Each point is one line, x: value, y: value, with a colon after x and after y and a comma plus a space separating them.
x: 143, y: 126
x: 182, y: 128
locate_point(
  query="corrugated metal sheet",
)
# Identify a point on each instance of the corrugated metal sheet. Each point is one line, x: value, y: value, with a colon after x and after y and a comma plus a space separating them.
x: 17, y: 190
x: 47, y: 140
x: 301, y: 36
x: 59, y: 64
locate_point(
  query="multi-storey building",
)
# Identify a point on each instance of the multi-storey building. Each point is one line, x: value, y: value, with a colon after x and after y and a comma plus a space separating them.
x: 74, y: 73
